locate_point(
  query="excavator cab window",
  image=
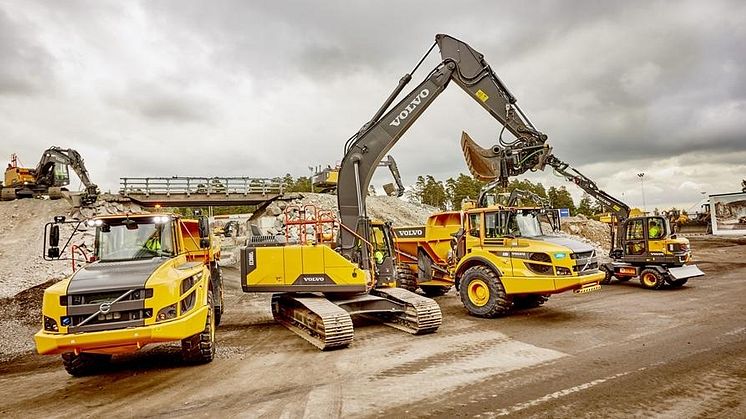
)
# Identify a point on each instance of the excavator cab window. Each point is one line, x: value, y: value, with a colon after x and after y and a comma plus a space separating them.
x: 381, y: 248
x: 635, y: 237
x: 656, y: 228
x: 61, y: 174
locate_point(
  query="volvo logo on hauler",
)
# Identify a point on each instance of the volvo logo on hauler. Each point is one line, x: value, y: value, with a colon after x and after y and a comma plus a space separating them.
x: 410, y: 232
x: 412, y: 106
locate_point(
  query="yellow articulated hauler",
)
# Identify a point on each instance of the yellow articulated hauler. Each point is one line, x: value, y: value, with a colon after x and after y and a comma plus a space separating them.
x: 497, y: 257
x: 151, y: 278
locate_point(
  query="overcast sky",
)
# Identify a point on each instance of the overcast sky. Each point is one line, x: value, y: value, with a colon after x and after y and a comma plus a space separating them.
x: 241, y: 88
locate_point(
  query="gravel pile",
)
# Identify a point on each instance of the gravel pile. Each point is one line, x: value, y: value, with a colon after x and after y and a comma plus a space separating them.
x: 384, y: 208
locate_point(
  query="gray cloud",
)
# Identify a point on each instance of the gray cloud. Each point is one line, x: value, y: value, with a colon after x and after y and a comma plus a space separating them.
x: 265, y: 88
x: 26, y: 65
x: 164, y: 100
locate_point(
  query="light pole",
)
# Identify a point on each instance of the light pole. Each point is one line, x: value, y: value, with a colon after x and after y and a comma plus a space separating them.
x: 642, y: 187
x: 311, y: 178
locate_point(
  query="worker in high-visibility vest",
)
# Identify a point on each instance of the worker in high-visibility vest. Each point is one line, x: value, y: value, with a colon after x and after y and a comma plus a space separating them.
x: 153, y: 243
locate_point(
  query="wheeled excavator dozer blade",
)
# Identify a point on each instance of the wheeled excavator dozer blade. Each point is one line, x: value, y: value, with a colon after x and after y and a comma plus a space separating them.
x: 327, y: 323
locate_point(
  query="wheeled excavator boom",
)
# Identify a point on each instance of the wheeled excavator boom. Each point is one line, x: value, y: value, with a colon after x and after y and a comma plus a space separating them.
x: 49, y: 176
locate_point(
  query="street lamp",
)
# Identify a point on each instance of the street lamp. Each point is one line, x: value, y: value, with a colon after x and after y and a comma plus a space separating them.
x: 642, y: 187
x: 311, y: 168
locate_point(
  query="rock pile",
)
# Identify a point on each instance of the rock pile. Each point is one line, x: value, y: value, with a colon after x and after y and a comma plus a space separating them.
x: 271, y: 220
x: 22, y: 239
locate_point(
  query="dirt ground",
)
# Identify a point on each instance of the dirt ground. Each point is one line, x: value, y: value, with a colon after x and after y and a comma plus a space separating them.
x: 620, y: 352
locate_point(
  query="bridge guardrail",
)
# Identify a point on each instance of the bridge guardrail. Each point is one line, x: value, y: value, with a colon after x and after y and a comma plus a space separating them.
x: 199, y: 185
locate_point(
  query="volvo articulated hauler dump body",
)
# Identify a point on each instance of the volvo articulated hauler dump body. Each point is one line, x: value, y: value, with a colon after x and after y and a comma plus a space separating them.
x: 352, y: 277
x: 641, y: 246
x: 498, y: 258
x: 51, y: 174
x: 150, y: 278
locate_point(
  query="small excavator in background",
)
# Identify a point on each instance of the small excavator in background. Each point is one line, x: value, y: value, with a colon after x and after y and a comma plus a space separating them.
x: 50, y: 176
x: 326, y: 180
x: 641, y: 246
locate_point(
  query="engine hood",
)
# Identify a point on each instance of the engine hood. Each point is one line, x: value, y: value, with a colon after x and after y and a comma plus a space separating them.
x: 107, y: 276
x: 574, y: 245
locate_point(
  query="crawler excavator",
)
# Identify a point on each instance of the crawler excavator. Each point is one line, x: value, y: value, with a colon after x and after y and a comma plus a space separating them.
x: 51, y: 174
x: 642, y: 246
x: 352, y: 279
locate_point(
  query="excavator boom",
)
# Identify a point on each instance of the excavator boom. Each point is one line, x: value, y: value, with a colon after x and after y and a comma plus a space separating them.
x: 364, y: 150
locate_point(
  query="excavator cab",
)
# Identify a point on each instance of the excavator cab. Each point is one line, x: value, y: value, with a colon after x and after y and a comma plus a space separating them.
x: 383, y: 254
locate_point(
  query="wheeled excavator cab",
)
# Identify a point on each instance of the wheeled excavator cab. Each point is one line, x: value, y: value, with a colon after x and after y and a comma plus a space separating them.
x: 647, y: 247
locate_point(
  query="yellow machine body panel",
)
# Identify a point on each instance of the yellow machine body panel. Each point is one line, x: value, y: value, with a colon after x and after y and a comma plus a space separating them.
x: 168, y: 301
x: 540, y: 265
x: 18, y: 176
x: 300, y: 268
x: 188, y: 302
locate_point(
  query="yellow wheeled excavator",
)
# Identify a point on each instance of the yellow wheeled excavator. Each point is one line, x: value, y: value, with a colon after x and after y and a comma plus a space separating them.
x: 320, y: 286
x: 642, y: 246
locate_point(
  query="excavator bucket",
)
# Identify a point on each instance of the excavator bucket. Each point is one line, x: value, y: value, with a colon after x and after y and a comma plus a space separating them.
x: 483, y: 163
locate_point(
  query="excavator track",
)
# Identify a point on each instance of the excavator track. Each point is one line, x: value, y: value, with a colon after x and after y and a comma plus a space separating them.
x: 421, y: 315
x: 315, y: 319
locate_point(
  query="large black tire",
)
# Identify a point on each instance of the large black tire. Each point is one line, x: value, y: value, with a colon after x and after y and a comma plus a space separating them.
x: 652, y: 279
x: 530, y: 301
x: 405, y: 278
x: 607, y: 279
x: 435, y: 290
x: 200, y: 348
x: 677, y: 283
x: 84, y: 363
x: 483, y: 294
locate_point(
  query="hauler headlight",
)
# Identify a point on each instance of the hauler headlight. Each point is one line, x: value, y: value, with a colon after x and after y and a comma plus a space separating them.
x: 166, y: 313
x: 561, y: 270
x: 94, y: 223
x: 161, y: 219
x: 50, y: 324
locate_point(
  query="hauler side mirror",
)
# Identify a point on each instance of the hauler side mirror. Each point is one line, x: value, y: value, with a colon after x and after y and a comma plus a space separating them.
x: 204, y: 232
x: 54, y: 236
x: 53, y: 251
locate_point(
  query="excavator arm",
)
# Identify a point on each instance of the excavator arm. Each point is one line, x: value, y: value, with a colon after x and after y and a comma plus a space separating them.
x: 54, y: 155
x: 364, y: 150
x: 394, y: 169
x: 618, y: 208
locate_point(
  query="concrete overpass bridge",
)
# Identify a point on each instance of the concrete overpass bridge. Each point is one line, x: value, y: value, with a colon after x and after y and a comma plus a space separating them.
x: 200, y: 191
